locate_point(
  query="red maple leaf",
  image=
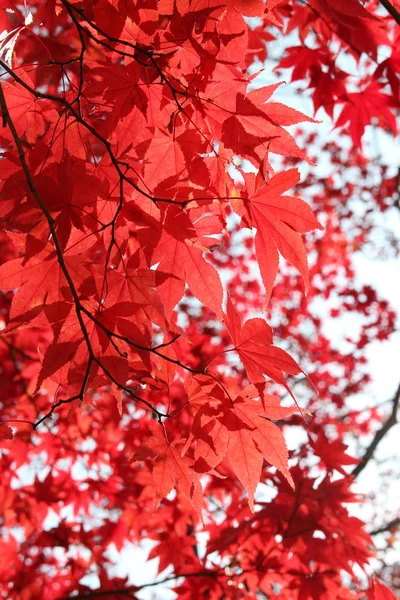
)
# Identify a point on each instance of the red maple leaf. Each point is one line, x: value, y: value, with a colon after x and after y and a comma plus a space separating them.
x: 379, y: 591
x: 369, y: 107
x: 40, y: 282
x: 170, y: 468
x: 180, y: 257
x: 253, y: 343
x: 237, y: 426
x: 6, y: 433
x: 332, y: 453
x: 279, y: 221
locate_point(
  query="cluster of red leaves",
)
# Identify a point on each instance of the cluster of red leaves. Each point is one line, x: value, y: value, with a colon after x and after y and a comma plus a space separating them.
x: 127, y: 128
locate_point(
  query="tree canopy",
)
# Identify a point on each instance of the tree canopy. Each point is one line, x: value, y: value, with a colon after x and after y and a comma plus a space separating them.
x: 174, y: 241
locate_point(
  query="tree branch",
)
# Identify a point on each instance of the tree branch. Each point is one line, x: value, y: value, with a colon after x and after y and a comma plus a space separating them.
x: 7, y: 121
x: 130, y: 590
x: 79, y: 308
x: 391, y: 10
x: 393, y: 524
x: 379, y: 435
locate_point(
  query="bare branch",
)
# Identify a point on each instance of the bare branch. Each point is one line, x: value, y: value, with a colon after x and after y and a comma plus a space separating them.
x: 391, y: 10
x: 393, y: 524
x: 379, y: 435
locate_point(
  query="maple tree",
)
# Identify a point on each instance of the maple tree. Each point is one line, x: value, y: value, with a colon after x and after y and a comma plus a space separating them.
x: 150, y: 240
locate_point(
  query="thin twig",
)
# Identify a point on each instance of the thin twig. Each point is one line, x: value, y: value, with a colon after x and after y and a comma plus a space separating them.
x: 7, y: 121
x: 136, y: 588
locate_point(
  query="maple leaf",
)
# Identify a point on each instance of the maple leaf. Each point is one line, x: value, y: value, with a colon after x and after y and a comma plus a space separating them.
x: 8, y: 39
x: 164, y: 158
x: 279, y: 221
x: 6, y: 433
x: 173, y: 549
x: 366, y: 108
x: 250, y: 8
x: 39, y: 282
x: 332, y: 453
x: 120, y: 88
x: 304, y: 60
x: 134, y: 286
x: 170, y: 468
x: 379, y: 591
x: 253, y: 343
x: 390, y: 67
x: 57, y: 355
x: 180, y: 257
x: 239, y: 427
x: 257, y: 125
x: 27, y: 111
x: 339, y: 10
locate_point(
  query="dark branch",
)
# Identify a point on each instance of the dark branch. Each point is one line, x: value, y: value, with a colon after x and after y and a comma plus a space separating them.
x: 107, y: 145
x: 7, y: 121
x: 391, y: 10
x: 379, y: 435
x: 393, y: 524
x: 120, y: 166
x: 79, y: 308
